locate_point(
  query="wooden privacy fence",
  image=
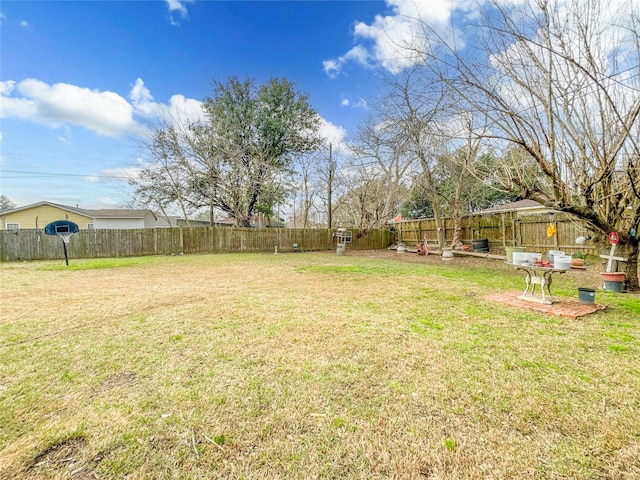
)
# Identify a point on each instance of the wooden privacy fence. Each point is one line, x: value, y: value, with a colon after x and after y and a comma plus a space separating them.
x: 506, y: 229
x: 35, y: 245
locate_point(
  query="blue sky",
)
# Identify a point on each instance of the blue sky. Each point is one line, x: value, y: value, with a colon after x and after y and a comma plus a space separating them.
x: 80, y: 81
x: 80, y: 78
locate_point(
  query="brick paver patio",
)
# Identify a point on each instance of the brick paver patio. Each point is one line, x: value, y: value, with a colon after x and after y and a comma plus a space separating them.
x: 563, y: 307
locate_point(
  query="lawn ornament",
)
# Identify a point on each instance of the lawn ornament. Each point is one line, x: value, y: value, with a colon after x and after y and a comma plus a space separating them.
x: 613, y: 238
x: 344, y: 236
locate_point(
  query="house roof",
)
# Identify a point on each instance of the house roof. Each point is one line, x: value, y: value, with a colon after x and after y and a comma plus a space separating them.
x: 103, y: 213
x: 119, y: 213
x: 525, y: 204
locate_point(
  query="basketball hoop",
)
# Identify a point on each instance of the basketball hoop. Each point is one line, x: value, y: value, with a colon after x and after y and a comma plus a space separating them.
x: 66, y: 237
x: 63, y: 229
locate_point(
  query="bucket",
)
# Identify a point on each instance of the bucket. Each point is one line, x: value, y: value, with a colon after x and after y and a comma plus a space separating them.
x: 552, y: 254
x: 586, y: 295
x: 562, y: 262
x: 509, y: 252
x: 519, y: 258
x: 613, y: 286
x: 340, y: 249
x: 480, y: 245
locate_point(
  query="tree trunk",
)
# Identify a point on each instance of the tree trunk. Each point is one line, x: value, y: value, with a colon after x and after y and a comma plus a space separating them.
x: 456, y: 243
x: 438, y: 218
x: 243, y: 221
x: 631, y: 277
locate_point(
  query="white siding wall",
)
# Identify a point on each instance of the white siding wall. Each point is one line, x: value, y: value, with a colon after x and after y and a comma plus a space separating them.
x: 149, y: 220
x: 118, y: 223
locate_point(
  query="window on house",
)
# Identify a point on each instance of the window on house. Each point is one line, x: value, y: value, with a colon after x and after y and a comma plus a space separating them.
x: 89, y: 226
x: 12, y: 226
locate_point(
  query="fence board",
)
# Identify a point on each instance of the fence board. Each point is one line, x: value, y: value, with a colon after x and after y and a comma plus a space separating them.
x: 35, y: 245
x: 502, y: 230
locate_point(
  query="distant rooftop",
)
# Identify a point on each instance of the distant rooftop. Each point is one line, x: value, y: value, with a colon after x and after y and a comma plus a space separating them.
x: 103, y: 213
x: 513, y: 206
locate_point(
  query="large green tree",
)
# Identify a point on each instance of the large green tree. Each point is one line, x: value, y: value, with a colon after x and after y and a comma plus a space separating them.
x: 238, y: 158
x: 248, y: 143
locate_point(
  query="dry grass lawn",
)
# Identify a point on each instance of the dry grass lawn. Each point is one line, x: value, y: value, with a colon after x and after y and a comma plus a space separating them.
x: 309, y: 365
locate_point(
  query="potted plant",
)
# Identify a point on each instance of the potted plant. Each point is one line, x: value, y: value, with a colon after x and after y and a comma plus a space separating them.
x: 613, y: 276
x: 578, y: 259
x: 613, y: 281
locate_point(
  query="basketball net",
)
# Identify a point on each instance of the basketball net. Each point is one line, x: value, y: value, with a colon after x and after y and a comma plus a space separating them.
x: 65, y: 237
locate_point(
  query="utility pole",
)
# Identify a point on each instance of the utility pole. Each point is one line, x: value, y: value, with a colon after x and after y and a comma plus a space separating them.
x: 329, y: 185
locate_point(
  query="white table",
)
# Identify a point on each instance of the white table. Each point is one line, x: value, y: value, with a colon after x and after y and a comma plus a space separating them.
x: 537, y: 275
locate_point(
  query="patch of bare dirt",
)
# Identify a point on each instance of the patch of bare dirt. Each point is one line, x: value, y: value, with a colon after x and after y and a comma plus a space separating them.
x: 435, y: 259
x: 118, y: 380
x: 64, y: 456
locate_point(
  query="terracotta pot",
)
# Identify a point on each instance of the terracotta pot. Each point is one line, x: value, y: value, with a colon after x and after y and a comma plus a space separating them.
x: 613, y: 276
x: 577, y: 262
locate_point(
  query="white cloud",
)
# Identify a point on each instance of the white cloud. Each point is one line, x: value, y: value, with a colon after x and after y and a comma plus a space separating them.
x: 139, y: 93
x: 358, y: 54
x: 7, y: 87
x: 332, y: 133
x: 24, y: 24
x: 179, y: 107
x: 385, y: 40
x: 361, y: 103
x: 177, y: 10
x: 332, y: 67
x: 14, y: 107
x: 106, y: 113
x: 391, y: 41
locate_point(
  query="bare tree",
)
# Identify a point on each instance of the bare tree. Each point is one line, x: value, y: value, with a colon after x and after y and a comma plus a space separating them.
x: 559, y: 83
x: 164, y: 182
x: 413, y: 107
x: 310, y: 186
x: 6, y: 203
x: 461, y: 162
x: 382, y: 167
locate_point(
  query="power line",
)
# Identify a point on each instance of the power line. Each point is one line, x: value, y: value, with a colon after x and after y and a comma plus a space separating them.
x: 52, y: 174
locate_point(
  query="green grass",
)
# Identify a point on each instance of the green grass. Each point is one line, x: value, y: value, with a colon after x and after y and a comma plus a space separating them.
x: 309, y: 366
